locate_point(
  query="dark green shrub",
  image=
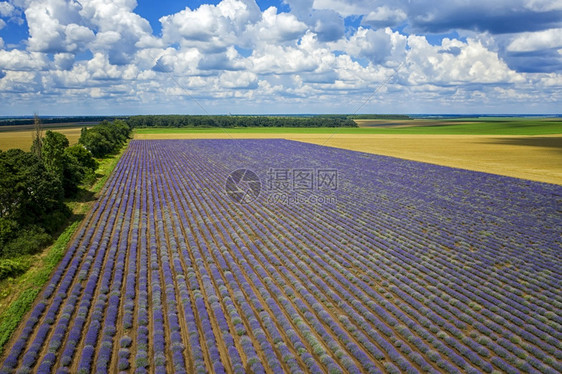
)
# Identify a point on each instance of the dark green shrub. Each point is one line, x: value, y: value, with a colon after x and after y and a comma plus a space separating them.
x: 30, y: 241
x: 12, y: 268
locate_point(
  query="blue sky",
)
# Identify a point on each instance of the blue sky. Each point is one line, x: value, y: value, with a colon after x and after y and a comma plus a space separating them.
x: 67, y: 57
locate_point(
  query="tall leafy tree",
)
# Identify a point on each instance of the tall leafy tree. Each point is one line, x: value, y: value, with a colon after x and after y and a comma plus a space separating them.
x: 54, y: 145
x: 82, y: 156
x: 28, y: 191
x: 31, y: 203
x: 65, y: 162
x: 37, y: 145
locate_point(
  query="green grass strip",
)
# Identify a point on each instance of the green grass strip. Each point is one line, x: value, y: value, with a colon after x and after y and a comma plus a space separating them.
x: 33, y: 282
x: 30, y: 284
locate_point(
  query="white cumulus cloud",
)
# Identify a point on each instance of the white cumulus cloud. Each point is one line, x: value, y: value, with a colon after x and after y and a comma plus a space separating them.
x: 232, y: 55
x: 385, y: 16
x: 277, y: 28
x: 6, y: 9
x: 455, y: 63
x: 535, y: 41
x: 22, y: 60
x: 210, y: 27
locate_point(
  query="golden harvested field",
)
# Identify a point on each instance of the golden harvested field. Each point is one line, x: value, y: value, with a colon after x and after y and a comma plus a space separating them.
x: 537, y: 158
x: 23, y: 139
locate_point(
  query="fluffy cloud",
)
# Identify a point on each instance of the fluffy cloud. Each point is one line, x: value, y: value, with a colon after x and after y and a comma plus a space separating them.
x: 17, y: 60
x: 61, y: 26
x: 376, y: 46
x: 499, y: 16
x: 229, y: 60
x: 24, y: 83
x: 496, y: 17
x: 455, y: 62
x: 277, y: 28
x: 6, y: 9
x: 232, y: 79
x: 212, y: 28
x: 345, y: 7
x: 101, y: 52
x: 51, y: 22
x: 529, y: 42
x: 64, y: 61
x: 326, y: 23
x: 120, y: 31
x: 385, y: 16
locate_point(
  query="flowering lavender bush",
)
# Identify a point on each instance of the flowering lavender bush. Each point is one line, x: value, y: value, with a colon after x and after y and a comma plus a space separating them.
x: 409, y: 267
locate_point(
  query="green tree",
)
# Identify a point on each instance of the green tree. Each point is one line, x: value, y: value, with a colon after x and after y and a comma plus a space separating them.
x: 37, y: 145
x: 28, y: 191
x: 70, y: 164
x: 31, y: 203
x: 95, y: 142
x: 105, y: 138
x: 54, y: 145
x: 8, y: 230
x: 83, y: 156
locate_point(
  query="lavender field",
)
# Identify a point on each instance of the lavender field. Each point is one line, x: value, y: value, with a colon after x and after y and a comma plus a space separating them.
x: 337, y: 262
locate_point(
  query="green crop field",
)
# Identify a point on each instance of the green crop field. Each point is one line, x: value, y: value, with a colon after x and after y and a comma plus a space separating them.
x: 487, y: 126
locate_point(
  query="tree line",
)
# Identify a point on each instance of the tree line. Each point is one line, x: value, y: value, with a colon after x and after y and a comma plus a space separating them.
x: 323, y: 120
x: 55, y: 120
x: 35, y: 184
x: 237, y: 121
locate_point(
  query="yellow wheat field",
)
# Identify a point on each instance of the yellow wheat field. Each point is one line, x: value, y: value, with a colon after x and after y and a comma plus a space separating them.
x: 23, y: 139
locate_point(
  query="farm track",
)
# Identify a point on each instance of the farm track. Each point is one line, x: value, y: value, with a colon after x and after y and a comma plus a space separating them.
x: 415, y: 268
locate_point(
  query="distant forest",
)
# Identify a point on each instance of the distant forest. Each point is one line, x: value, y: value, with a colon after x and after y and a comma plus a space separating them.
x: 324, y: 120
x: 21, y: 121
x: 238, y: 121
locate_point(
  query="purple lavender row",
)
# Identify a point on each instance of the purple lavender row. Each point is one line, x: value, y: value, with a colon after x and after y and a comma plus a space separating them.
x: 194, y: 345
x: 235, y: 360
x: 158, y: 339
x: 247, y: 270
x: 128, y: 304
x: 209, y: 288
x: 471, y: 355
x: 75, y: 333
x: 252, y: 358
x: 393, y: 259
x: 234, y: 316
x: 175, y: 340
x: 141, y: 307
x: 201, y: 309
x: 62, y: 270
x: 110, y: 323
x: 95, y: 324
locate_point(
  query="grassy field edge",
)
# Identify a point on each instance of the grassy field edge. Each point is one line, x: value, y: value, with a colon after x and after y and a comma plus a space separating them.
x: 28, y: 286
x: 438, y: 127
